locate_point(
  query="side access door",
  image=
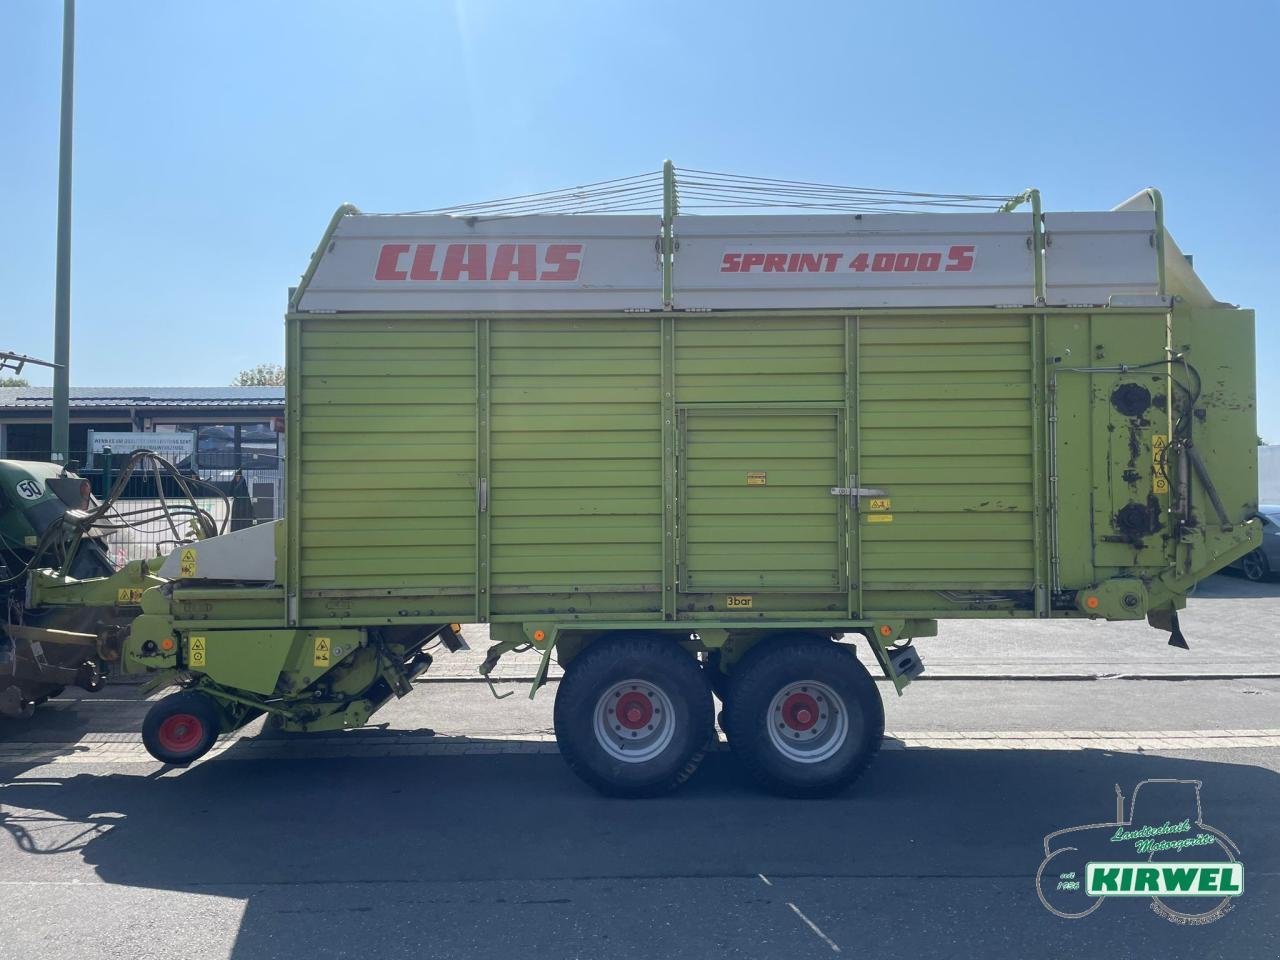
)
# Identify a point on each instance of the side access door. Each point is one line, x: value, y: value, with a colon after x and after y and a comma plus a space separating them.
x: 757, y: 517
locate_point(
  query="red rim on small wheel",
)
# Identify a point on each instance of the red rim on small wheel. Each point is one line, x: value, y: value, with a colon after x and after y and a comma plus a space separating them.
x: 181, y: 732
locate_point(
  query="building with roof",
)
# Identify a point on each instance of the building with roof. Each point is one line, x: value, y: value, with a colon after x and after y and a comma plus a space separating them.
x: 237, y: 425
x: 237, y: 444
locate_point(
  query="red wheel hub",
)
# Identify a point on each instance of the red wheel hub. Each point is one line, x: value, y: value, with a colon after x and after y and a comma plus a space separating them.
x: 800, y: 711
x: 634, y: 710
x: 180, y: 732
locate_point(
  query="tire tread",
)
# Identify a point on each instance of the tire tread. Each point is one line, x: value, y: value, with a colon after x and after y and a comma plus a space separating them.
x: 753, y: 679
x: 581, y: 684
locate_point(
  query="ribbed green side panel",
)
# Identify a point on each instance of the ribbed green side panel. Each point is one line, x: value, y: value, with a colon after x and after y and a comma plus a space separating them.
x: 758, y: 511
x: 945, y: 426
x: 388, y: 449
x: 576, y: 452
x: 759, y: 360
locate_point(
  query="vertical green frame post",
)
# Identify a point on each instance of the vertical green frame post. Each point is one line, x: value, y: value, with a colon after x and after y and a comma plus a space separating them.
x: 852, y: 458
x: 293, y: 467
x: 668, y: 359
x: 483, y: 578
x: 669, y: 440
x: 1042, y: 504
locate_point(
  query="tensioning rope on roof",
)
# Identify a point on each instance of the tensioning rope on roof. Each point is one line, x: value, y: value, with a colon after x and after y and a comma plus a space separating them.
x: 707, y: 189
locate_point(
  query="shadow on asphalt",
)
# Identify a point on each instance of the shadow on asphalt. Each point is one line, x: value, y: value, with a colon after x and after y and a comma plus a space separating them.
x: 62, y: 722
x: 933, y: 854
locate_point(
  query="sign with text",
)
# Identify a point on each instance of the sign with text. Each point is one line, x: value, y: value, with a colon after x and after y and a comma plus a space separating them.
x: 172, y: 446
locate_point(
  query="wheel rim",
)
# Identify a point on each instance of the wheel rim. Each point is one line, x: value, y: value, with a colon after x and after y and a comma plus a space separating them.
x: 180, y: 733
x: 808, y: 722
x: 634, y: 721
x: 1253, y: 567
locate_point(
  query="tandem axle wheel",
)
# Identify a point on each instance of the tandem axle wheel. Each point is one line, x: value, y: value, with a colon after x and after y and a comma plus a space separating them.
x: 633, y: 715
x: 803, y: 716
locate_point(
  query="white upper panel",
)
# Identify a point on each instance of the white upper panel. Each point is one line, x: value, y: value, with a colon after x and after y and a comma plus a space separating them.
x: 426, y: 263
x: 1092, y: 257
x: 435, y: 263
x: 885, y: 260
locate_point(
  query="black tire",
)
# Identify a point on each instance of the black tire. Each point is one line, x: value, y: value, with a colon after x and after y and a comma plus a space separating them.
x: 181, y: 728
x: 717, y: 678
x: 1255, y: 566
x: 647, y: 670
x: 822, y: 675
x: 719, y: 682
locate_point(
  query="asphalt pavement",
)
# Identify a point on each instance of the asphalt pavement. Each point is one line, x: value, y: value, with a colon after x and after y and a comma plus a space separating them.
x: 452, y: 830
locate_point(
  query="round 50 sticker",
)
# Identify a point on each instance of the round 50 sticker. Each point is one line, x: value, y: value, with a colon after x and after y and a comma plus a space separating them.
x: 29, y: 490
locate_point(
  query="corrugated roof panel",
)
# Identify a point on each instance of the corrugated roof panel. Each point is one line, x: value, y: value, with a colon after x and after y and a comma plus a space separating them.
x: 38, y: 398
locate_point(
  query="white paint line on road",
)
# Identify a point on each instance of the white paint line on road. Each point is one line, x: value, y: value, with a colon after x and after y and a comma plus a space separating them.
x: 765, y: 879
x: 814, y: 927
x: 123, y: 748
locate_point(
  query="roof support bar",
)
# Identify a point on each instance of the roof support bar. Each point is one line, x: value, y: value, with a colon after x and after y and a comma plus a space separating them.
x: 1032, y: 196
x: 669, y: 208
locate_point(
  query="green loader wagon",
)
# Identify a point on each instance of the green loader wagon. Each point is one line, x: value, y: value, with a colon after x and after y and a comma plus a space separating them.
x: 697, y: 453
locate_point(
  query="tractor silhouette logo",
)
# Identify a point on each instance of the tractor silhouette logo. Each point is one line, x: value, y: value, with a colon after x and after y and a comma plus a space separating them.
x: 1163, y: 850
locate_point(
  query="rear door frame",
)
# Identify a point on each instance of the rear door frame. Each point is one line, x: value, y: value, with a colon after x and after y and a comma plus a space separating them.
x: 845, y: 548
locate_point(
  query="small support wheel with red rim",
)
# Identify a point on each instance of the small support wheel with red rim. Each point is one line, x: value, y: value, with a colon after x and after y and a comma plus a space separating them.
x: 181, y: 728
x: 806, y: 717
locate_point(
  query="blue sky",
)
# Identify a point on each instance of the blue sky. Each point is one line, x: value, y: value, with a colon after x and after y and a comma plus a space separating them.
x: 214, y: 140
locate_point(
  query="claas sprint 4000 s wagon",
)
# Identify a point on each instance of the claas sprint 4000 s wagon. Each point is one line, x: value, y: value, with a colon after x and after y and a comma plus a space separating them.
x: 689, y: 454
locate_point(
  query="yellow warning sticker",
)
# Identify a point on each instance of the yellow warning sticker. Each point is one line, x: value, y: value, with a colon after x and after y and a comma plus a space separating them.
x: 880, y: 518
x: 324, y: 648
x: 1159, y: 456
x: 757, y: 479
x: 198, y: 652
x: 128, y: 596
x: 880, y: 504
x: 187, y: 562
x: 738, y: 603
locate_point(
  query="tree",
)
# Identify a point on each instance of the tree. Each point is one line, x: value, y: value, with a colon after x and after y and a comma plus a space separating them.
x: 14, y: 382
x: 263, y: 375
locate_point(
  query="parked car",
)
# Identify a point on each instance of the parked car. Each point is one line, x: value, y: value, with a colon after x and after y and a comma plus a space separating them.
x: 1264, y: 562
